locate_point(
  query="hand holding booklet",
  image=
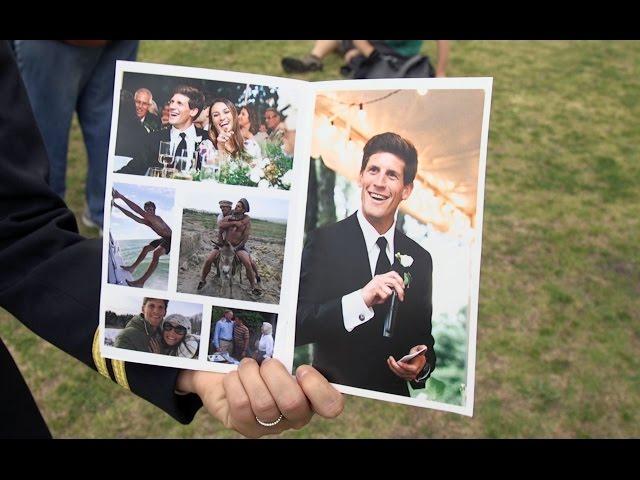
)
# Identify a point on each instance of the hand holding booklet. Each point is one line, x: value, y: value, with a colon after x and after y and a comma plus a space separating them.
x: 257, y: 216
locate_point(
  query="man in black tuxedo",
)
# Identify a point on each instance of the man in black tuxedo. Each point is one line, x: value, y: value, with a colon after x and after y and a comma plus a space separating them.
x: 349, y: 272
x: 184, y: 107
x: 50, y: 281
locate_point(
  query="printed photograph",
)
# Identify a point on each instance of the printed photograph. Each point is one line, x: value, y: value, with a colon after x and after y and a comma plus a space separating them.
x: 232, y: 246
x: 140, y: 235
x: 205, y: 130
x: 154, y: 325
x: 391, y: 227
x: 237, y: 334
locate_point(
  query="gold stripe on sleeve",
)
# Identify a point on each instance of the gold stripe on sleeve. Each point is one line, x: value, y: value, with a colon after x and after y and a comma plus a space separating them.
x: 99, y: 360
x: 120, y: 373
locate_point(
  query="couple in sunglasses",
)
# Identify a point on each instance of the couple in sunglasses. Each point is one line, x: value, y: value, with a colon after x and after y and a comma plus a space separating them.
x: 175, y: 338
x: 152, y: 330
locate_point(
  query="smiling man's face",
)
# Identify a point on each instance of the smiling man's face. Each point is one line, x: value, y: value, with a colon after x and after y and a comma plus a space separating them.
x: 180, y: 115
x: 383, y: 188
x: 143, y: 101
x: 154, y: 311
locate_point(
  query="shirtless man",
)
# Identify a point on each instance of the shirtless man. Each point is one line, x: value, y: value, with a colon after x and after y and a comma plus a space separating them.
x: 236, y: 228
x: 159, y: 247
x: 225, y: 210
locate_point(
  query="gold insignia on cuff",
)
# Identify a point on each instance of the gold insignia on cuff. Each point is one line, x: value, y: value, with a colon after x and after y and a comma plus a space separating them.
x: 99, y: 360
x: 120, y: 373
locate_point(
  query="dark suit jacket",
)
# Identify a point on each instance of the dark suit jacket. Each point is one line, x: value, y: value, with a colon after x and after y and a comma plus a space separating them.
x: 149, y: 156
x: 50, y: 275
x: 335, y: 263
x: 151, y: 122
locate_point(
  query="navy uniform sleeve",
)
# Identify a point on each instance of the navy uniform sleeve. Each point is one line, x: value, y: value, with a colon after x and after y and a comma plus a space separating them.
x: 50, y: 274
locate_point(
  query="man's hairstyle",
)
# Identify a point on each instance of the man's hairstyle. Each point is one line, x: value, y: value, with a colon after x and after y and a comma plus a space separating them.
x: 195, y: 96
x: 227, y: 311
x: 146, y: 299
x: 245, y: 204
x: 274, y: 110
x: 390, y: 142
x: 150, y: 203
x: 144, y: 90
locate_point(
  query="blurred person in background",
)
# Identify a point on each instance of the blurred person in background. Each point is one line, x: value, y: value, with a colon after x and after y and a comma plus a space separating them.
x: 67, y: 76
x: 44, y: 257
x: 350, y: 50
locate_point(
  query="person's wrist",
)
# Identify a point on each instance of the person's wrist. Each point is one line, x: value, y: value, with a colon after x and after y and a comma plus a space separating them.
x: 366, y: 298
x: 185, y: 382
x: 198, y: 382
x: 424, y: 373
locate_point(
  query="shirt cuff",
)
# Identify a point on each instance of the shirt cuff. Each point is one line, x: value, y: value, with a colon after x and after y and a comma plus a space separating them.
x: 424, y: 374
x: 354, y: 311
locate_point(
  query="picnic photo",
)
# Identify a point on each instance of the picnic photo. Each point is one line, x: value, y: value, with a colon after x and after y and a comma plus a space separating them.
x: 140, y: 220
x: 237, y: 334
x: 153, y: 325
x: 232, y: 245
x: 384, y: 304
x: 205, y: 130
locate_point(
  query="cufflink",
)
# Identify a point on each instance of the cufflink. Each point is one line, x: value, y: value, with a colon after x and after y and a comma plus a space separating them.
x: 361, y: 317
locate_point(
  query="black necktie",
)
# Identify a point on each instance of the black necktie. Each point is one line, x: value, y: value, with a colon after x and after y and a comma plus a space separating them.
x: 182, y: 146
x: 382, y: 266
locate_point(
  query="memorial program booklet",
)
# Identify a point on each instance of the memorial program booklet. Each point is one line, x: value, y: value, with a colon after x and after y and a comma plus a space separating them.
x: 241, y: 221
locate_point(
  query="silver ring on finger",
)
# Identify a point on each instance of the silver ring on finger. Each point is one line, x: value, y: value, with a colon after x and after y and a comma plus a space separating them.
x: 270, y: 424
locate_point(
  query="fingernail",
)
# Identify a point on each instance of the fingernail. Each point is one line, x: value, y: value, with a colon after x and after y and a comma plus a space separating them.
x: 301, y: 371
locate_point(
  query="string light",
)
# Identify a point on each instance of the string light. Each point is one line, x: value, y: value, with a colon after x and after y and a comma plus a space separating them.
x: 362, y: 114
x: 430, y: 202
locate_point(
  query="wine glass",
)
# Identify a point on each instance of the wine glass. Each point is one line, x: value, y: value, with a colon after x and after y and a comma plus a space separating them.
x: 164, y: 156
x: 183, y: 161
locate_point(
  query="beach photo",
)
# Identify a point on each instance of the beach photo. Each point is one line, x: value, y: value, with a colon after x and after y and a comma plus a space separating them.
x: 140, y: 235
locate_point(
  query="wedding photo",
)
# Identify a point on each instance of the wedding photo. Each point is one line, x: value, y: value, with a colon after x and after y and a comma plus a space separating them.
x: 201, y: 130
x: 391, y: 237
x: 232, y: 245
x: 154, y: 325
x: 140, y: 227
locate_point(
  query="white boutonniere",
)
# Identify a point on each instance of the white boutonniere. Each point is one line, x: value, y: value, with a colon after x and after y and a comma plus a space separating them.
x: 406, y: 261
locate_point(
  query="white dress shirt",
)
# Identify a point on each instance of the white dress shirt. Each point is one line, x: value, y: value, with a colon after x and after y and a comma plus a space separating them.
x: 266, y: 345
x: 354, y: 311
x: 191, y: 138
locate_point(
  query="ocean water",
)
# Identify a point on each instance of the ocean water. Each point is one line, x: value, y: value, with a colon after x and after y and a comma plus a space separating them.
x: 159, y: 279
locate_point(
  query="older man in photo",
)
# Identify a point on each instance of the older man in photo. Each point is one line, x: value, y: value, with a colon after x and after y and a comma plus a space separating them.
x: 349, y: 273
x: 143, y: 98
x: 223, y: 333
x: 184, y: 107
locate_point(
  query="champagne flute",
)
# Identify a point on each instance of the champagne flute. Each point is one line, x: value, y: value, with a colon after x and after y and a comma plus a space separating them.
x: 164, y: 156
x: 183, y: 161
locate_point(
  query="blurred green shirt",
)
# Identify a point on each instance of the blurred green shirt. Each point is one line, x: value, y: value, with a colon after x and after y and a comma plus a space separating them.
x: 406, y: 48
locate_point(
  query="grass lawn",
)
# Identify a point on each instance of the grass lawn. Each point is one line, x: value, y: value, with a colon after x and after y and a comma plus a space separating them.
x: 559, y: 321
